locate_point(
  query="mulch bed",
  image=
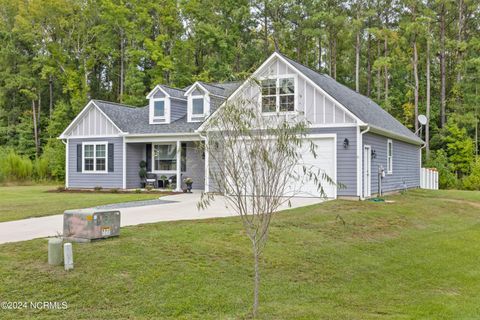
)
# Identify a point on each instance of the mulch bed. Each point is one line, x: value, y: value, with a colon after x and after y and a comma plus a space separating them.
x: 114, y: 191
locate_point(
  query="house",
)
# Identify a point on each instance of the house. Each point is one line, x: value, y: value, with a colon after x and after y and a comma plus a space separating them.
x: 106, y: 142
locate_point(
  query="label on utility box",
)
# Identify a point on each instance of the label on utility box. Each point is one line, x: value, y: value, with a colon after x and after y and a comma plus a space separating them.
x: 106, y: 231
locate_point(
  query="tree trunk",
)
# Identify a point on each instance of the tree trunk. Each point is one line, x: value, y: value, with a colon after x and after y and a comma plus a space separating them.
x: 379, y: 75
x: 427, y: 126
x: 256, y: 288
x: 442, y: 67
x: 122, y: 64
x: 320, y: 54
x: 415, y: 74
x: 50, y: 95
x: 357, y: 63
x: 460, y: 38
x: 385, y: 68
x: 265, y: 23
x: 369, y: 65
x: 35, y: 128
x: 335, y: 58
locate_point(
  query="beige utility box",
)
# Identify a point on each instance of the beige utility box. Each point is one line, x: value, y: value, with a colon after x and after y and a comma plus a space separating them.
x: 84, y: 225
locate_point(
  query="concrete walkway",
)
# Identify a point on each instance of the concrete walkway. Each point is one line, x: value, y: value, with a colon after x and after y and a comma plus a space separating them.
x: 176, y: 207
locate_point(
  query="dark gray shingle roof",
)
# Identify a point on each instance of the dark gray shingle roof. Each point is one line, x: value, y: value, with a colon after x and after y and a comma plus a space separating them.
x: 174, y: 92
x: 361, y: 106
x: 223, y: 89
x: 135, y: 120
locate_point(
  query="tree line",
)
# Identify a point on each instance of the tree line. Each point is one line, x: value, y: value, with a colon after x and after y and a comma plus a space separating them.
x: 412, y: 57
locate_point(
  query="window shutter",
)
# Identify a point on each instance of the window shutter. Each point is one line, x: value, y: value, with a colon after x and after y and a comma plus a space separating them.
x: 79, y: 157
x: 110, y: 157
x: 148, y: 159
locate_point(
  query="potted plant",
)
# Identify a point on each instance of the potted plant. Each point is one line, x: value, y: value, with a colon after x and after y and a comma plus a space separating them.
x: 188, y: 182
x: 163, y: 178
x: 142, y: 173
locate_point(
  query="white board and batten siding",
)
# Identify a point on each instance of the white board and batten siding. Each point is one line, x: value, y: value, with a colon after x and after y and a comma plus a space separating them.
x: 93, y: 123
x: 316, y: 106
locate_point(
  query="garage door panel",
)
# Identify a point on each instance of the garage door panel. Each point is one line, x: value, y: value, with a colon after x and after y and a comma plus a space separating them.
x: 323, y: 162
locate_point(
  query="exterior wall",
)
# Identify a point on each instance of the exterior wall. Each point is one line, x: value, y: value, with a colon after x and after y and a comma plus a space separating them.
x: 346, y: 158
x: 195, y: 166
x: 91, y: 180
x: 178, y: 109
x: 135, y: 153
x: 406, y: 163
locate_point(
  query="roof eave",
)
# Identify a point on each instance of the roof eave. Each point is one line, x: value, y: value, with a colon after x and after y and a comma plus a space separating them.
x: 393, y: 135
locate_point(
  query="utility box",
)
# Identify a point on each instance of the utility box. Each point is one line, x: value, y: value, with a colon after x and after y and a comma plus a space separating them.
x: 84, y: 225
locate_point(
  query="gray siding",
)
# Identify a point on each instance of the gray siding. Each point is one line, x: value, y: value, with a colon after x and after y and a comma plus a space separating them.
x: 195, y: 165
x: 346, y: 158
x: 406, y: 163
x: 135, y: 154
x: 178, y: 109
x: 91, y: 180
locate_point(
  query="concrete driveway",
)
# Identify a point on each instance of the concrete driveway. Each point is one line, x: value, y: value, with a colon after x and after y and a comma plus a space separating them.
x: 176, y: 207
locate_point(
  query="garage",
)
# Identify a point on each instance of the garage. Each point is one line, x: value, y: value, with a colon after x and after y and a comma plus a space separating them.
x: 325, y: 160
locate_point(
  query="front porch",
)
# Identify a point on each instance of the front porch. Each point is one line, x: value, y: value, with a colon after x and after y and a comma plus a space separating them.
x: 168, y: 160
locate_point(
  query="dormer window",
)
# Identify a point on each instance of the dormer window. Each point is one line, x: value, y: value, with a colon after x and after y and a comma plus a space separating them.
x: 278, y: 94
x: 159, y: 109
x: 198, y: 106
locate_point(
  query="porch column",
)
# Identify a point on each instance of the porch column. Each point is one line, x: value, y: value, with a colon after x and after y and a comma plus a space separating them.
x: 207, y: 172
x: 178, y: 188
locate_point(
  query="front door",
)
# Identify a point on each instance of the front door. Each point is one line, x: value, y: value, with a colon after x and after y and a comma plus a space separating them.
x: 367, y: 172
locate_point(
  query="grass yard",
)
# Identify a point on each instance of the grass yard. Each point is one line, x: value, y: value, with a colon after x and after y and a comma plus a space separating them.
x: 416, y: 258
x: 20, y: 202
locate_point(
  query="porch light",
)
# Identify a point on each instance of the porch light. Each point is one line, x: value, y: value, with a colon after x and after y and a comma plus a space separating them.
x: 374, y: 153
x: 346, y: 143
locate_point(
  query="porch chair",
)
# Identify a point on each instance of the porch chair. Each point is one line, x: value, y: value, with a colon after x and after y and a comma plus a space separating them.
x: 151, y: 180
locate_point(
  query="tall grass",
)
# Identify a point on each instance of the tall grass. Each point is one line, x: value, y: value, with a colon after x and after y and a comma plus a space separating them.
x: 18, y: 168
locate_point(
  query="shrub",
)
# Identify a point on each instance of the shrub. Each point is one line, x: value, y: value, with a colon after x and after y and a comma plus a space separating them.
x: 439, y: 160
x: 114, y: 190
x: 472, y: 182
x: 97, y: 188
x: 138, y: 191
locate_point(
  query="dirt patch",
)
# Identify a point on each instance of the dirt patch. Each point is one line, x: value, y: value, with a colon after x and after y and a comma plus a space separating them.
x: 471, y: 203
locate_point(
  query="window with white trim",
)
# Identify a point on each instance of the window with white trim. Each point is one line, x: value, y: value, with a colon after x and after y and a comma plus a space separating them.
x: 198, y: 106
x: 159, y: 108
x: 278, y: 94
x: 389, y: 156
x: 95, y: 157
x: 164, y: 157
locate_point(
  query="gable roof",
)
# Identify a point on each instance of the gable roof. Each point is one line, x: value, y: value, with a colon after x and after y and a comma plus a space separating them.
x: 361, y: 106
x: 222, y: 89
x: 133, y: 120
x: 172, y: 92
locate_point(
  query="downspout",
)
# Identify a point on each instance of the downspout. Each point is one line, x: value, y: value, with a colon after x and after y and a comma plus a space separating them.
x: 361, y: 160
x: 66, y: 162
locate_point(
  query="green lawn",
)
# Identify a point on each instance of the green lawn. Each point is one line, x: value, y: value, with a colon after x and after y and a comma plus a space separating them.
x: 22, y: 202
x: 417, y: 258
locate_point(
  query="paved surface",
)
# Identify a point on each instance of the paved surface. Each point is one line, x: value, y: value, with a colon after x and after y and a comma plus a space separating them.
x: 170, y: 208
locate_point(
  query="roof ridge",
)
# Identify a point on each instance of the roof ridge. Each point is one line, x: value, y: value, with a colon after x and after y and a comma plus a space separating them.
x: 213, y: 85
x: 116, y: 103
x: 173, y: 88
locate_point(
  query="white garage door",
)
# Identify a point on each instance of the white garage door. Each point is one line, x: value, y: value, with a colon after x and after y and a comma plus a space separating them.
x: 325, y: 160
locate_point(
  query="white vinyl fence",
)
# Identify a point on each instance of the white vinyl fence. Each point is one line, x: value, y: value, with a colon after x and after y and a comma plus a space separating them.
x: 429, y: 178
